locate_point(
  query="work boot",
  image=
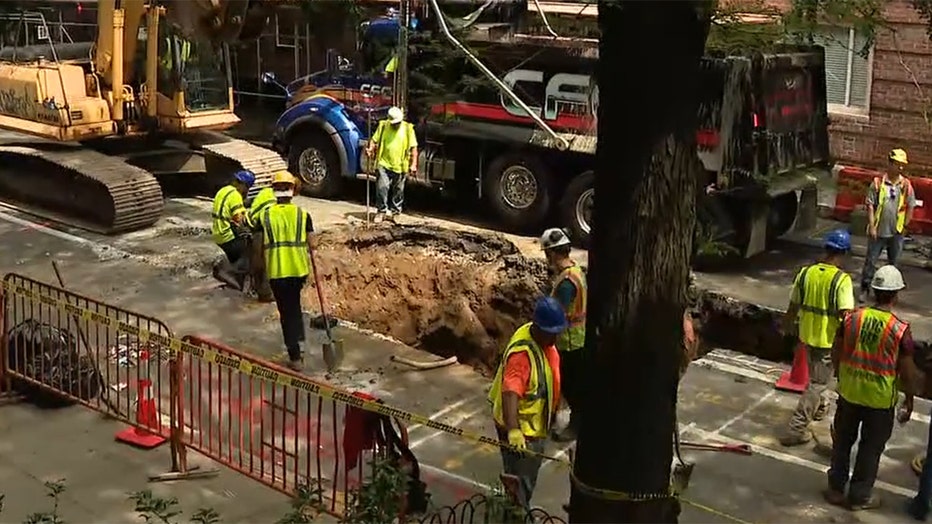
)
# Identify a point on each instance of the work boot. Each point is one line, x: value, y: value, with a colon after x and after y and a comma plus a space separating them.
x: 795, y: 438
x: 833, y: 497
x: 872, y: 502
x: 296, y: 365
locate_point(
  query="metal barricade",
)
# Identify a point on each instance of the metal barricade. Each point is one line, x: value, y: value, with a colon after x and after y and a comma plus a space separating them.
x: 60, y: 347
x: 255, y: 417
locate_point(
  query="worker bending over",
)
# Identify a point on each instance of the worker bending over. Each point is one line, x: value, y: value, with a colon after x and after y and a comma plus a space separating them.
x: 569, y: 289
x: 872, y: 352
x: 525, y: 392
x: 260, y: 282
x: 890, y: 203
x: 287, y: 229
x: 822, y: 294
x: 229, y: 229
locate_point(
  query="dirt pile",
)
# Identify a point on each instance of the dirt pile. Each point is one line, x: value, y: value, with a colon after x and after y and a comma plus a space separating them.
x: 447, y: 292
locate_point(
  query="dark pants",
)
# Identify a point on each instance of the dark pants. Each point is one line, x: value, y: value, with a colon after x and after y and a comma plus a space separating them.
x: 919, y: 506
x: 875, y: 427
x: 523, y: 466
x: 236, y: 267
x: 287, y: 293
x: 875, y: 246
x: 571, y: 382
x: 260, y: 281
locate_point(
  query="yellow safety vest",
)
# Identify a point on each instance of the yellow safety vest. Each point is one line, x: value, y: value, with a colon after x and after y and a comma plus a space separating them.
x: 906, y: 189
x: 534, y: 409
x: 575, y: 335
x: 817, y: 287
x: 184, y: 52
x: 227, y: 204
x: 264, y: 198
x: 284, y: 227
x: 867, y: 368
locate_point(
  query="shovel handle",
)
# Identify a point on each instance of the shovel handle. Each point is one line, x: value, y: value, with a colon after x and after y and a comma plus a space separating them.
x: 741, y: 449
x: 320, y: 293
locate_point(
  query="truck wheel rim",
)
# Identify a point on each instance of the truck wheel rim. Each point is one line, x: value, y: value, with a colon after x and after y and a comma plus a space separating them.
x: 519, y: 187
x: 584, y: 210
x: 312, y: 167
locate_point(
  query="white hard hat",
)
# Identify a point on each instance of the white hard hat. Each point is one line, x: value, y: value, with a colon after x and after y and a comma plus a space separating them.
x: 554, y: 237
x: 395, y: 115
x: 888, y: 278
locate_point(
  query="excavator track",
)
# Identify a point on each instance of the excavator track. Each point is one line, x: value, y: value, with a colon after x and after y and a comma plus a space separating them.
x: 261, y: 161
x: 79, y: 186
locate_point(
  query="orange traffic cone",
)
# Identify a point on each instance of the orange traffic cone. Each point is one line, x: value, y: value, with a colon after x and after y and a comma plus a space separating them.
x: 797, y: 378
x: 147, y: 416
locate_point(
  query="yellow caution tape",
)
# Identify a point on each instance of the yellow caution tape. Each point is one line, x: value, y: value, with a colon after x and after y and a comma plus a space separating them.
x: 288, y: 379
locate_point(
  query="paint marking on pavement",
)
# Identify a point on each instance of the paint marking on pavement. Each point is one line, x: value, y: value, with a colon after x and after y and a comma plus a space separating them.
x: 458, y: 478
x: 442, y: 412
x: 98, y: 247
x: 764, y: 398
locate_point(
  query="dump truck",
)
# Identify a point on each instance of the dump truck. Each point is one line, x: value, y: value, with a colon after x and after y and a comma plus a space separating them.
x: 514, y: 124
x: 145, y: 99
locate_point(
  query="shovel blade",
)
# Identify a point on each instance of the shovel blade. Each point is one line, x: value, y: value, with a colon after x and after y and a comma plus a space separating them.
x: 333, y: 354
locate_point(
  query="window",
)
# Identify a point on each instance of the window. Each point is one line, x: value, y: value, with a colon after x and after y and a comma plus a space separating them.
x: 847, y: 74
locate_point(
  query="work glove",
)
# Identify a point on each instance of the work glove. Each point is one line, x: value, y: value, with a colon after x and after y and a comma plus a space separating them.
x: 516, y: 439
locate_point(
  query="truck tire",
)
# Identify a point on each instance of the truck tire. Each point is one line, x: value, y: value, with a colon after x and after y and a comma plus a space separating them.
x: 311, y: 158
x: 576, y: 208
x: 518, y: 189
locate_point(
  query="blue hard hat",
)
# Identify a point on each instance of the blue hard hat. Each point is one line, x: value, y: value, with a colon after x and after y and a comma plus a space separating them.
x: 838, y: 239
x: 245, y: 176
x: 549, y: 316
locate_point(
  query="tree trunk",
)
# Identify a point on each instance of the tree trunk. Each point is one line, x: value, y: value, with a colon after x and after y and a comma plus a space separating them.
x: 639, y: 261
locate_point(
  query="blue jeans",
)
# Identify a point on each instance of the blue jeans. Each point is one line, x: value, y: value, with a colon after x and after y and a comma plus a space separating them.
x: 919, y: 505
x: 389, y: 184
x: 875, y: 246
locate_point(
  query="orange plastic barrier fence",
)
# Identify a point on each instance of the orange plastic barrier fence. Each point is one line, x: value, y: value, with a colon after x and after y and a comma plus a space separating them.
x: 851, y: 192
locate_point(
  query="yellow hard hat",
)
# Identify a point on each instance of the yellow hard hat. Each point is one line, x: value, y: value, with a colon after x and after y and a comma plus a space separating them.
x: 898, y: 156
x: 283, y: 177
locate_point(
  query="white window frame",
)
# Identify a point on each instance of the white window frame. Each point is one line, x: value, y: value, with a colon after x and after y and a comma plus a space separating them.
x: 847, y: 109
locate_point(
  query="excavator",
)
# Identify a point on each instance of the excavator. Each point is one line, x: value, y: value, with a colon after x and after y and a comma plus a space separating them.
x: 108, y: 120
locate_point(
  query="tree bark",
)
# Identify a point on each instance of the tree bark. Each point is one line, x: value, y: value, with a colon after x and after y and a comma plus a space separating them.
x: 639, y: 261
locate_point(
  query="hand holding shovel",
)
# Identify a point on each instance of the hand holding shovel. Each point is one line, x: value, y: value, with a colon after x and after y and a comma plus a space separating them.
x: 332, y: 348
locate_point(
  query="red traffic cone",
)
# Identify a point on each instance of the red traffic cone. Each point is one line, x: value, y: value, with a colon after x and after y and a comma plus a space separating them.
x: 147, y: 416
x: 797, y: 378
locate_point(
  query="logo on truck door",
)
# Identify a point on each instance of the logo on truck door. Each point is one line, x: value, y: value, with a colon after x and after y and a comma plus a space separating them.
x: 562, y: 93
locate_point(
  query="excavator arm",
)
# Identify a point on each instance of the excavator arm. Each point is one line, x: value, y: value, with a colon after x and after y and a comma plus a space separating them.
x: 223, y: 21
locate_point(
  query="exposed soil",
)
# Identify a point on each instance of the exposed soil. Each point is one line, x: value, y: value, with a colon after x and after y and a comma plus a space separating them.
x: 448, y: 292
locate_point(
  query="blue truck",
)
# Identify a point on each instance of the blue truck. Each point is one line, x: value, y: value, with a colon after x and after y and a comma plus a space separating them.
x: 763, y: 127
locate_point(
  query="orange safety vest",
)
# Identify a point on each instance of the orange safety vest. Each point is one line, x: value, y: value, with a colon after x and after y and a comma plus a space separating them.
x: 867, y: 368
x: 881, y: 189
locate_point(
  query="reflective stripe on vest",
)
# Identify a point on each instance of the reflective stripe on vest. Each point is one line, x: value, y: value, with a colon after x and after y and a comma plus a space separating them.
x: 535, y: 407
x: 574, y: 337
x: 818, y: 305
x: 906, y: 189
x: 867, y: 369
x: 285, y: 241
x: 221, y: 229
x: 264, y: 198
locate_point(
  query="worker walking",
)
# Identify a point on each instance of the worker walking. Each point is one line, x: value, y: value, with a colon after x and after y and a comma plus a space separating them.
x: 524, y: 394
x: 396, y: 146
x: 260, y: 282
x: 287, y: 229
x: 822, y: 294
x: 569, y: 289
x: 872, y: 353
x: 890, y: 204
x: 229, y: 229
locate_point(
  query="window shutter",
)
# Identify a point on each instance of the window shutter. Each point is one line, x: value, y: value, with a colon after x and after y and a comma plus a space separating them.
x: 835, y: 42
x: 860, y: 74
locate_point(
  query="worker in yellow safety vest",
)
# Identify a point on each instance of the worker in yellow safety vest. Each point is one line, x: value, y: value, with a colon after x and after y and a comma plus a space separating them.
x: 524, y: 395
x: 286, y: 230
x: 890, y: 204
x: 822, y: 294
x: 229, y: 229
x: 569, y: 289
x: 872, y: 352
x: 260, y: 282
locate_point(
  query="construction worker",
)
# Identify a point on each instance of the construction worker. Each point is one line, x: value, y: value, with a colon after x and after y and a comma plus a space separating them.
x: 260, y: 282
x: 919, y: 506
x: 569, y: 289
x: 872, y: 353
x: 230, y: 227
x: 525, y: 392
x: 396, y: 146
x: 287, y: 229
x: 822, y: 294
x: 890, y: 204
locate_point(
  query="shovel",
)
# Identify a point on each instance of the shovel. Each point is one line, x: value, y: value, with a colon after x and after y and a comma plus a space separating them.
x: 332, y: 349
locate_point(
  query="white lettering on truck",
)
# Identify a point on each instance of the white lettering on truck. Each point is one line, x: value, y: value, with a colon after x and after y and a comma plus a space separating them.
x: 577, y: 93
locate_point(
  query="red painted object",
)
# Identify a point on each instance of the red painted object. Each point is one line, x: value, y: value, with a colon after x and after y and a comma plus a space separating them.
x: 851, y: 192
x: 797, y: 378
x: 146, y: 417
